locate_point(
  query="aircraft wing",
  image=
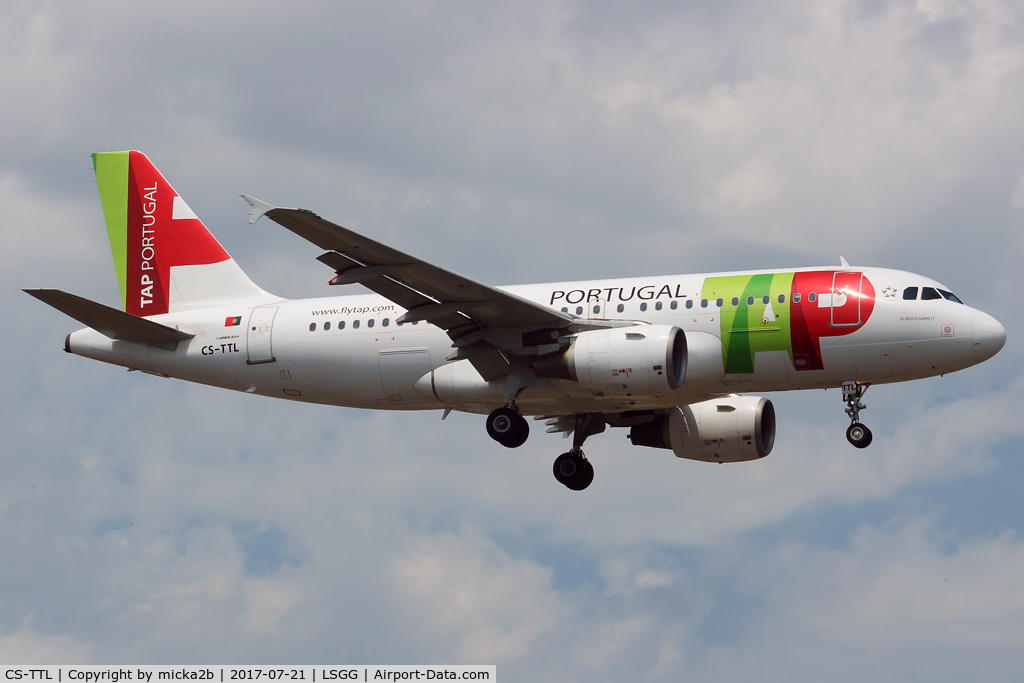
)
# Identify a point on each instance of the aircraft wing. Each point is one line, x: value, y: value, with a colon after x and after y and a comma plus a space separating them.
x: 108, y: 321
x: 468, y: 310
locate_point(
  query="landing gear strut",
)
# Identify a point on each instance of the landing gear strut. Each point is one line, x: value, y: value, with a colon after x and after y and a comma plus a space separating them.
x: 572, y: 469
x: 506, y: 426
x: 857, y: 434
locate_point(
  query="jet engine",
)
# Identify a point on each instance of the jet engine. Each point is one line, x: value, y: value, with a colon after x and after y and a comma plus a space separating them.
x: 645, y: 359
x: 728, y: 429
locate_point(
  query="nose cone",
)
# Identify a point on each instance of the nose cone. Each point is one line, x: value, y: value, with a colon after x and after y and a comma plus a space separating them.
x: 989, y: 336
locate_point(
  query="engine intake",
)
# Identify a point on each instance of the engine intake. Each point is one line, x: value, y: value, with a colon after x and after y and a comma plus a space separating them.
x: 727, y: 429
x: 645, y: 359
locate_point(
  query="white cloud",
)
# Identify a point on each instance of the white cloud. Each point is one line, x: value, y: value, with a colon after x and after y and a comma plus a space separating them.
x: 28, y: 647
x: 465, y: 588
x: 917, y: 606
x: 1017, y: 198
x: 756, y: 183
x: 269, y: 601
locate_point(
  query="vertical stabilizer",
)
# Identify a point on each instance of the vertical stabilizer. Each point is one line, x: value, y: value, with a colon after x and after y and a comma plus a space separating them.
x: 165, y: 258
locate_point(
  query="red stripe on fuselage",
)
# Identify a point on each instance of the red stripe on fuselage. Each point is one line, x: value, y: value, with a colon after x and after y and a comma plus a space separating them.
x: 809, y: 321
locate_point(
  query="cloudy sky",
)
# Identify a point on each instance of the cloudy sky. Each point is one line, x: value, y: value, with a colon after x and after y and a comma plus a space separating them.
x: 146, y: 520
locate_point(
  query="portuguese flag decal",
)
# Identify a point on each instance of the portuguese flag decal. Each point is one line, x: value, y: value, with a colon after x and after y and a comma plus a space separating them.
x: 231, y: 322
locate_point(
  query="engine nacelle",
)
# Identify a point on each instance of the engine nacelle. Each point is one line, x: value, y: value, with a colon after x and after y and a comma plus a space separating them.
x: 645, y: 359
x: 727, y: 429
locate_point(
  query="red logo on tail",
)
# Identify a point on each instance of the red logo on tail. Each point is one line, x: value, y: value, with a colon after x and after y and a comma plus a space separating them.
x: 162, y: 233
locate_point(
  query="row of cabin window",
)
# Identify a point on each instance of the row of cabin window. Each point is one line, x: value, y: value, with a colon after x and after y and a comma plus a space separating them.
x: 929, y: 294
x: 355, y: 324
x: 689, y: 303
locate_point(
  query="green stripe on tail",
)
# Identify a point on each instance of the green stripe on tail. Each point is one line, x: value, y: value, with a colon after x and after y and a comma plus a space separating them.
x: 112, y: 177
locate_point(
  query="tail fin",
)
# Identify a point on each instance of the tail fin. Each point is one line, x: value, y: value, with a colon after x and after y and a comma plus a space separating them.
x: 166, y: 259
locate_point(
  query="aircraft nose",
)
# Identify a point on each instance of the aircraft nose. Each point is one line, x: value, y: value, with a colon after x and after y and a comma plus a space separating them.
x: 989, y: 336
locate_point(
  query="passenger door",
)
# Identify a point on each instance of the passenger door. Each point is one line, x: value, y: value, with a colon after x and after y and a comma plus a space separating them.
x: 846, y: 299
x: 260, y: 330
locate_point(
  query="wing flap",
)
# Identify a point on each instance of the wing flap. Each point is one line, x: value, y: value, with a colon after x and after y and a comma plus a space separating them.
x: 110, y: 322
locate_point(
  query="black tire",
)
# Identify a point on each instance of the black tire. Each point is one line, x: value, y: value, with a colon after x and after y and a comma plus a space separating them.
x: 573, y: 471
x: 564, y: 468
x: 508, y: 427
x: 588, y: 476
x: 859, y: 435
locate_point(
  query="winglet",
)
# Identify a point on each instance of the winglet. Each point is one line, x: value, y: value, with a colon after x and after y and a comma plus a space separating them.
x: 259, y: 208
x: 842, y: 259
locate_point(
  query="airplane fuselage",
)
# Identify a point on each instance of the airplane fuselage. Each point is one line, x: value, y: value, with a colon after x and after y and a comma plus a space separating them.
x: 777, y: 330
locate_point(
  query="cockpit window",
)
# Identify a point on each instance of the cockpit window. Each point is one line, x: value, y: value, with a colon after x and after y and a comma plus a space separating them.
x: 929, y: 294
x: 950, y: 296
x: 910, y: 294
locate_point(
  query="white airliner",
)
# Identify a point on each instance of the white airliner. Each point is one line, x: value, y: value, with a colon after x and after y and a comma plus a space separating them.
x: 670, y: 357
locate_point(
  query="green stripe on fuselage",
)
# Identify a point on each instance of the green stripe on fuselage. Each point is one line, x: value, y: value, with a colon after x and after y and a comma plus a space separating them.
x: 744, y: 328
x: 112, y: 177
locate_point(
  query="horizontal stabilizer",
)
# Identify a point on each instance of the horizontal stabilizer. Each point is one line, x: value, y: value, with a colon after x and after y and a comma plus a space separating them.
x: 108, y: 321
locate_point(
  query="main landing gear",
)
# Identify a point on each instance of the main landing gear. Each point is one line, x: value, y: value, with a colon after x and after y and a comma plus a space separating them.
x: 572, y: 469
x: 857, y: 434
x: 507, y: 427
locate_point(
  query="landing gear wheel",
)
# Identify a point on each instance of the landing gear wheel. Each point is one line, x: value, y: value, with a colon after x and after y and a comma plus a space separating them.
x: 573, y: 471
x: 508, y: 427
x: 858, y: 435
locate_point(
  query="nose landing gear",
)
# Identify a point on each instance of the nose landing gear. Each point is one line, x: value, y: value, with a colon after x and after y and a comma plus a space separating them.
x: 857, y: 434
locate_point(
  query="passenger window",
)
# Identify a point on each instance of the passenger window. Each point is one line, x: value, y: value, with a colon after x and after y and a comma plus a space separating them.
x: 312, y: 327
x: 782, y: 298
x: 565, y: 309
x: 657, y: 306
x: 355, y: 324
x: 643, y: 306
x: 735, y: 301
x: 689, y: 303
x: 765, y: 299
x: 950, y: 296
x: 384, y: 322
x: 910, y: 294
x: 720, y: 302
x: 703, y: 303
x: 674, y: 305
x: 750, y: 301
x: 579, y: 310
x: 327, y: 326
x: 812, y: 297
x: 341, y: 325
x: 796, y: 298
x: 415, y: 322
x: 929, y: 294
x: 597, y: 309
x: 620, y: 308
x: 369, y: 323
